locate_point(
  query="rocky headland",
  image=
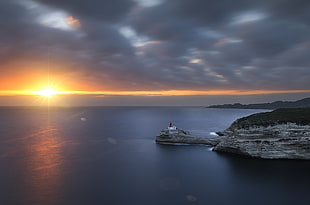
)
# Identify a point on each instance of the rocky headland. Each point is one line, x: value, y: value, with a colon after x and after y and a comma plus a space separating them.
x: 280, y: 134
x: 184, y: 137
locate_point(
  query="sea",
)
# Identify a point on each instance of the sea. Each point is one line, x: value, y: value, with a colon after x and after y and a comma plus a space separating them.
x: 108, y: 156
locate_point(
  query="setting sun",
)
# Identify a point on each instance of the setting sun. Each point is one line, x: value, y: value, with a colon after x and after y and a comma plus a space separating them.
x: 47, y: 92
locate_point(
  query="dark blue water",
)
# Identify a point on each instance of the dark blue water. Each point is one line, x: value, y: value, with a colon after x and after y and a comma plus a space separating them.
x: 108, y: 156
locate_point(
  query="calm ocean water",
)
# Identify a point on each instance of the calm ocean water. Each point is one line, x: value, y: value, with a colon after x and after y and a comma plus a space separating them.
x: 107, y: 155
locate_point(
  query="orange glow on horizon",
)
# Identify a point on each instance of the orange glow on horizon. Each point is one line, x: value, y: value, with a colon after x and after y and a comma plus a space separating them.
x: 186, y: 92
x: 48, y: 92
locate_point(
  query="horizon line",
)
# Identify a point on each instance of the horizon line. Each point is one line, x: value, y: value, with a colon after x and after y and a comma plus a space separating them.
x: 158, y: 93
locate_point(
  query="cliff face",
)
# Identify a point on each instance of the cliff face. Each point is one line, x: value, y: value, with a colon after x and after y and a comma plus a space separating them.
x: 280, y: 134
x: 282, y: 141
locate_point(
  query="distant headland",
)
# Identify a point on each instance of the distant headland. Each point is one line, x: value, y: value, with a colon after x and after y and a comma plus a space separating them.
x: 269, y: 106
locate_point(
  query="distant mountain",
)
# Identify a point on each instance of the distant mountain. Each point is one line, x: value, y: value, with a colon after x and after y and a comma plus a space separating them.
x: 304, y: 103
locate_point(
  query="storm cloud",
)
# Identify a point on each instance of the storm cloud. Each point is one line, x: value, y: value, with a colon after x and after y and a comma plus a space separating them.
x: 161, y: 44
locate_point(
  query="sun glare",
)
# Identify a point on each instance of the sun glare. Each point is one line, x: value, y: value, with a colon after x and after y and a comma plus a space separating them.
x: 47, y: 92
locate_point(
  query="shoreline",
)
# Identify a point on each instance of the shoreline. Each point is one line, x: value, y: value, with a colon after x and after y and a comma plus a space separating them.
x: 270, y: 135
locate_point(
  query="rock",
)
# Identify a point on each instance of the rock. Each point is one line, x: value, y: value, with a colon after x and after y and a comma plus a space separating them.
x: 182, y: 136
x: 280, y: 134
x: 283, y: 141
x: 220, y: 133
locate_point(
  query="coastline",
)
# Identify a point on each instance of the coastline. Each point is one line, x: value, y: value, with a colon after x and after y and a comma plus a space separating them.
x: 280, y: 134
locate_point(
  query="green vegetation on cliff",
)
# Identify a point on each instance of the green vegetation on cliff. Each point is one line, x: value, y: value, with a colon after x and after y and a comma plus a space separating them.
x: 299, y: 116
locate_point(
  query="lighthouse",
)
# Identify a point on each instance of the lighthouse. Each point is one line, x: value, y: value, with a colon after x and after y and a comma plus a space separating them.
x: 172, y: 129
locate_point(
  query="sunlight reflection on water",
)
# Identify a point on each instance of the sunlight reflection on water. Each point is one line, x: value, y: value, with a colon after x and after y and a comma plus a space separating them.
x: 43, y: 155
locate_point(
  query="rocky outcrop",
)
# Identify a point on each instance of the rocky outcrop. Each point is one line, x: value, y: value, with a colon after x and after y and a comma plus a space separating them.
x: 283, y: 141
x: 183, y: 137
x: 281, y: 134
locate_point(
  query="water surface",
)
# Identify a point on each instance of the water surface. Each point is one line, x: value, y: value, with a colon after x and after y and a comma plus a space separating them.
x: 107, y: 155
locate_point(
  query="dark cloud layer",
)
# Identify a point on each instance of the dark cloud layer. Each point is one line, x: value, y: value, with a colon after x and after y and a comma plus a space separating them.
x: 181, y: 44
x: 104, y: 10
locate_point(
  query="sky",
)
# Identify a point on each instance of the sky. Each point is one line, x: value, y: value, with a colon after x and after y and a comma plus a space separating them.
x: 154, y: 52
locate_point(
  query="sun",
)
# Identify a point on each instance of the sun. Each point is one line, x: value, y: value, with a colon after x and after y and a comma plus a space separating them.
x: 47, y: 92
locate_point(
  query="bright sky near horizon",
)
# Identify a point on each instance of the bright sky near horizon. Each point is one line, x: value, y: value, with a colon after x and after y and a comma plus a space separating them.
x: 154, y: 52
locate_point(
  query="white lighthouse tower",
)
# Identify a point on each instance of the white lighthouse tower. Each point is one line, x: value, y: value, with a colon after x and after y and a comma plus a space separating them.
x: 172, y: 129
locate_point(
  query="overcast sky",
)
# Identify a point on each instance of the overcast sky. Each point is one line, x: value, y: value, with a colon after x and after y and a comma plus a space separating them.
x: 156, y: 45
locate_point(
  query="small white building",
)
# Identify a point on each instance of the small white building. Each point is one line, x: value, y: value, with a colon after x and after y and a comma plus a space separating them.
x: 172, y: 130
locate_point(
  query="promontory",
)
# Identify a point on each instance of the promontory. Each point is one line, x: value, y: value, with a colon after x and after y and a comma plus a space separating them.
x: 279, y: 134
